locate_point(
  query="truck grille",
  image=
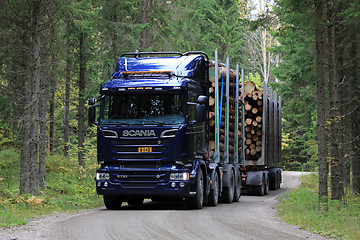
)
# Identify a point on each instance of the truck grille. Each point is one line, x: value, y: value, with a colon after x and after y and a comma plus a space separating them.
x: 126, y: 151
x: 139, y: 179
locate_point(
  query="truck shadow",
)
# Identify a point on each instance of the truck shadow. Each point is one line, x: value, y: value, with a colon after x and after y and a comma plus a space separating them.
x: 181, y: 205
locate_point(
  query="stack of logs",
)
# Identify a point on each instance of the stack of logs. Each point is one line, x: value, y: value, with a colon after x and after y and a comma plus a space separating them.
x: 253, y: 103
x: 222, y: 88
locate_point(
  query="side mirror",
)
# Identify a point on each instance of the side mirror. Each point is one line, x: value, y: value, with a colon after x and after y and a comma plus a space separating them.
x: 202, y: 99
x: 200, y: 113
x: 92, y: 101
x: 92, y: 114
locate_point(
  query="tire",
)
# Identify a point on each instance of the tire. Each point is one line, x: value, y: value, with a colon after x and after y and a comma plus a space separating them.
x: 260, y: 190
x: 278, y: 177
x: 112, y: 202
x: 228, y: 192
x: 266, y: 188
x: 214, y: 193
x: 197, y: 201
x: 273, y: 176
x: 237, y: 191
x: 135, y: 201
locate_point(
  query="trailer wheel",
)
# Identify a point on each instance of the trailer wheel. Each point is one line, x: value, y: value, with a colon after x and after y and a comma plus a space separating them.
x: 260, y: 190
x: 112, y: 202
x: 266, y: 187
x: 214, y: 193
x: 228, y: 192
x: 197, y: 201
x: 278, y: 179
x: 237, y: 192
x: 135, y: 201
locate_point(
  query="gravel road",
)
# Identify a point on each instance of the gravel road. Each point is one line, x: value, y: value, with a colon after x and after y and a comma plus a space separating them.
x: 251, y: 218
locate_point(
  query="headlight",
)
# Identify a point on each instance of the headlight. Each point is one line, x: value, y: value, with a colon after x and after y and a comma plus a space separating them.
x: 179, y: 176
x: 102, y: 176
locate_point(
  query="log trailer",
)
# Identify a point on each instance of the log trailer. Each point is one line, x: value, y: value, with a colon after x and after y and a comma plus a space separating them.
x: 164, y: 131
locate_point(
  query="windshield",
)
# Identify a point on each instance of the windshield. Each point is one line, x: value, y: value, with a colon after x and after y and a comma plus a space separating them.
x: 142, y: 109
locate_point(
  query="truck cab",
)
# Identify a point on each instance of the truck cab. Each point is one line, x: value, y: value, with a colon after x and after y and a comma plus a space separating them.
x: 152, y: 131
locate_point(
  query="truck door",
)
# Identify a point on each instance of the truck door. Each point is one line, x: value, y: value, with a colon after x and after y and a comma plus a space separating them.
x: 196, y: 130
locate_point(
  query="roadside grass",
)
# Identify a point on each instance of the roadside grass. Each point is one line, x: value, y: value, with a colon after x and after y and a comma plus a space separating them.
x: 300, y: 207
x: 69, y: 188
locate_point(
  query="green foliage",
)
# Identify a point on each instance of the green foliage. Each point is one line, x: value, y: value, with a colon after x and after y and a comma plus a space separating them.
x: 296, y: 83
x: 69, y: 188
x: 300, y: 207
x: 255, y: 78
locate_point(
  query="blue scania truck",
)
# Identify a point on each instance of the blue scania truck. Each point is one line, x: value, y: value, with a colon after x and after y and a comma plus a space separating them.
x: 155, y: 139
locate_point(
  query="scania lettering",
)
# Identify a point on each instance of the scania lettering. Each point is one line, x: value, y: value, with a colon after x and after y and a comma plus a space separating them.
x: 139, y: 133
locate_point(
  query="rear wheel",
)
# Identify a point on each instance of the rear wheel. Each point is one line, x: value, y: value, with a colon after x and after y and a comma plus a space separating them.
x: 228, y: 192
x: 266, y: 189
x: 197, y: 201
x: 260, y: 190
x: 237, y: 192
x: 112, y: 202
x: 214, y: 193
x: 278, y: 177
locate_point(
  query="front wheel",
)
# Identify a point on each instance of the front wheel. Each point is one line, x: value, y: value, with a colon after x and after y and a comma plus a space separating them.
x: 197, y: 201
x: 112, y: 202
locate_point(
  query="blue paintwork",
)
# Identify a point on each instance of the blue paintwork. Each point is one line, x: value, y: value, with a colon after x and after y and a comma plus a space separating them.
x: 183, y: 66
x: 133, y: 173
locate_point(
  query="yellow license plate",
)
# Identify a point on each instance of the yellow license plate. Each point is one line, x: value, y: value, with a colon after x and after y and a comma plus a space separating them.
x: 144, y: 149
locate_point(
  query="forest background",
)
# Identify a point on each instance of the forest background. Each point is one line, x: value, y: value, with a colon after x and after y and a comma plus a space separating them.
x: 55, y: 55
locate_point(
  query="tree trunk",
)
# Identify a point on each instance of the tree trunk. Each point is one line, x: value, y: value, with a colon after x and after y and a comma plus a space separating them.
x: 144, y: 21
x: 34, y: 102
x: 52, y: 116
x: 81, y: 111
x: 355, y: 116
x: 337, y: 185
x: 52, y: 88
x: 321, y: 107
x: 42, y: 129
x: 25, y: 129
x: 67, y: 94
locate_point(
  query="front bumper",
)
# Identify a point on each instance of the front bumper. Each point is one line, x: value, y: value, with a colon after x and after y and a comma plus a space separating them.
x: 145, y: 183
x: 170, y: 189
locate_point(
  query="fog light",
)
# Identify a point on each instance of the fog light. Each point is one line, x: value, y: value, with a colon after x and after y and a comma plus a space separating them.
x: 173, y: 184
x: 99, y: 184
x: 182, y: 184
x: 106, y: 184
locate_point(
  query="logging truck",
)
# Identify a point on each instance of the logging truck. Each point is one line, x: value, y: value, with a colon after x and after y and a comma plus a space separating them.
x: 179, y: 126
